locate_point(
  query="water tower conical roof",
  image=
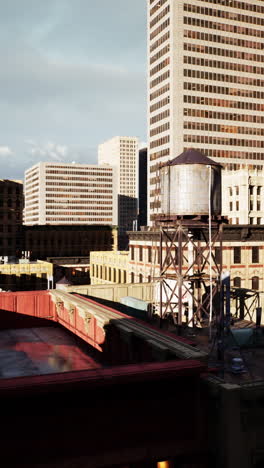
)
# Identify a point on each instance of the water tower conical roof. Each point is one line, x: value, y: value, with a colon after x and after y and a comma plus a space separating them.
x: 191, y: 156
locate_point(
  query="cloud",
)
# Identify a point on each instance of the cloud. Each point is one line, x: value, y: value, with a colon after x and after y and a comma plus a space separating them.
x: 70, y: 74
x: 5, y: 151
x: 142, y: 145
x: 49, y: 151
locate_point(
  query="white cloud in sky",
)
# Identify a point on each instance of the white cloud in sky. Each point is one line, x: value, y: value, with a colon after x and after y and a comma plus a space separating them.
x: 50, y: 151
x: 70, y: 78
x: 5, y: 151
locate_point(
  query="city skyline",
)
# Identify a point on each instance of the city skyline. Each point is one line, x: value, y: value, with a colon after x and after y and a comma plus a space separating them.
x: 73, y: 75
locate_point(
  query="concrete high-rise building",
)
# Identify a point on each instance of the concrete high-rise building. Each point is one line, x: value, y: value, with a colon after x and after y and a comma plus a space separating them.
x: 62, y: 193
x: 122, y: 154
x: 205, y: 83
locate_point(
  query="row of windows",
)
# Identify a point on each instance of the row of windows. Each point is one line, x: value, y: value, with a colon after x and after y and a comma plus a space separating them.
x: 154, y: 168
x: 159, y: 104
x: 222, y: 141
x: 160, y: 28
x: 223, y: 103
x: 237, y: 4
x: 159, y: 54
x: 61, y: 179
x: 204, y: 88
x: 82, y: 190
x: 94, y: 173
x: 30, y: 180
x: 159, y: 92
x: 224, y: 65
x: 157, y: 6
x: 140, y: 278
x: 160, y: 142
x: 160, y: 129
x: 255, y: 257
x: 253, y: 188
x: 31, y: 173
x: 108, y: 273
x: 160, y: 79
x: 101, y: 212
x: 223, y: 14
x: 76, y: 204
x: 161, y: 116
x: 159, y: 41
x: 223, y: 115
x: 32, y: 197
x: 30, y: 186
x: 237, y: 54
x: 204, y: 75
x: 257, y: 207
x: 202, y: 36
x: 161, y: 15
x: 255, y: 221
x: 159, y: 154
x: 223, y: 128
x: 69, y: 219
x: 48, y: 184
x: 213, y: 153
x: 235, y: 205
x: 29, y: 192
x: 49, y: 198
x: 254, y: 282
x: 200, y: 23
x: 159, y: 67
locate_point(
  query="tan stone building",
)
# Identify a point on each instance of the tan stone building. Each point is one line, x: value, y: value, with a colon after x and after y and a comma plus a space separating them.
x: 243, y: 257
x: 243, y: 196
x: 109, y: 267
x: 26, y: 276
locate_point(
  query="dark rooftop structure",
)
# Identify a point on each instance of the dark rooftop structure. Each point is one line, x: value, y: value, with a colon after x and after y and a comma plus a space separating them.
x: 191, y: 156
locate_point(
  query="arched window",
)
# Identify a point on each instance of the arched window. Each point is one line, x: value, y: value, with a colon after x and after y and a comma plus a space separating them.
x: 140, y: 277
x: 237, y: 282
x: 255, y: 282
x: 132, y: 277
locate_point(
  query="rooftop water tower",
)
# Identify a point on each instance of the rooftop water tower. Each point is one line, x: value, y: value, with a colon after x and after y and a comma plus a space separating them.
x: 187, y: 183
x: 191, y: 226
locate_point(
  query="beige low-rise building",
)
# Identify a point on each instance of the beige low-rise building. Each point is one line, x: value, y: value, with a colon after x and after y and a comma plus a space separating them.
x: 109, y: 267
x: 243, y: 258
x: 243, y: 196
x: 26, y: 276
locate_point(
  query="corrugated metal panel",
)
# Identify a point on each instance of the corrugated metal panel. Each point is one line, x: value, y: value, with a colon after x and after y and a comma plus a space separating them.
x: 185, y: 190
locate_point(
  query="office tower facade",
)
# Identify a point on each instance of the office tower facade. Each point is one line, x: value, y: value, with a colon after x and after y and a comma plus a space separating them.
x: 62, y: 193
x: 11, y: 215
x: 205, y: 83
x: 122, y: 154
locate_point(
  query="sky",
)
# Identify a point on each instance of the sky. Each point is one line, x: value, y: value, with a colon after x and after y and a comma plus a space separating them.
x: 73, y: 74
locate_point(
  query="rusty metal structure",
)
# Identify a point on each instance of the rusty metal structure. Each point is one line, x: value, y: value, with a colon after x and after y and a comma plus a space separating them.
x: 190, y: 251
x: 186, y: 287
